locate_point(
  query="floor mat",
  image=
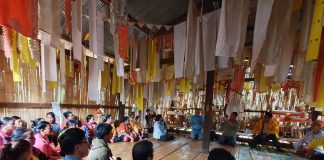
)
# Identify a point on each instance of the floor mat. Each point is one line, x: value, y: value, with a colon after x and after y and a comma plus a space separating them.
x: 258, y: 154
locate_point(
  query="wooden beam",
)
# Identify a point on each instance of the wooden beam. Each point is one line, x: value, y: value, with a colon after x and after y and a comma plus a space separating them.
x: 49, y: 105
x: 208, y: 111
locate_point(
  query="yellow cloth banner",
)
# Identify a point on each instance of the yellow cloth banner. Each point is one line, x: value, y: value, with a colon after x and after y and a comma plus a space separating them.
x: 25, y: 49
x: 276, y: 87
x: 105, y: 75
x: 51, y: 84
x: 114, y: 82
x: 15, y: 58
x: 169, y: 72
x: 184, y: 85
x: 169, y: 90
x: 247, y: 86
x: 152, y: 70
x: 320, y: 94
x: 315, y: 32
x: 139, y: 100
x: 69, y: 72
x: 261, y: 81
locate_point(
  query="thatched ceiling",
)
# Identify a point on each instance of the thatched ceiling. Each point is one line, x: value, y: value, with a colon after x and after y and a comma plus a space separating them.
x: 163, y: 12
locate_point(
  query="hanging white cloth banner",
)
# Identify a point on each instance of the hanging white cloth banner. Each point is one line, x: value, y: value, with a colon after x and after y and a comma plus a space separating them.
x: 232, y: 28
x: 143, y: 58
x: 308, y: 77
x: 119, y: 61
x: 192, y: 15
x: 43, y: 68
x: 210, y: 23
x: 62, y: 65
x: 222, y: 62
x: 179, y: 49
x: 298, y: 65
x: 100, y: 41
x: 262, y: 18
x: 122, y: 91
x: 269, y: 70
x: 267, y: 44
x: 306, y: 23
x: 303, y: 41
x: 199, y: 56
x: 93, y: 27
x: 50, y: 14
x: 50, y: 61
x: 284, y: 59
x: 46, y: 40
x: 77, y: 29
x: 93, y: 85
x: 145, y: 91
x: 199, y: 59
x: 158, y: 76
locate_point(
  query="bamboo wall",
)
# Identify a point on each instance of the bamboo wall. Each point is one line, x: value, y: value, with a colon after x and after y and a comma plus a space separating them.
x: 31, y: 111
x: 26, y: 99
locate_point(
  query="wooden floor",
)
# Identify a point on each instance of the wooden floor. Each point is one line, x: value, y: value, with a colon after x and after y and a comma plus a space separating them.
x: 181, y: 149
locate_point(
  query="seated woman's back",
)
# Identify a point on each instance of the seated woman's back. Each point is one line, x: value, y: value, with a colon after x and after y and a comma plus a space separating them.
x: 159, y: 130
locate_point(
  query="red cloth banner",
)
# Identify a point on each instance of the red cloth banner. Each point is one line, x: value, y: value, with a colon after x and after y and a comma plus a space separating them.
x: 123, y: 41
x: 20, y: 15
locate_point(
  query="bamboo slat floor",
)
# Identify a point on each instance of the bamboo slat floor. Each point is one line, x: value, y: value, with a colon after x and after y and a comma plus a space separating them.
x: 184, y: 148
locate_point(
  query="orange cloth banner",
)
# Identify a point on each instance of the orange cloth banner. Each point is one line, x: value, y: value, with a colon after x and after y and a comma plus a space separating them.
x: 68, y: 16
x: 319, y: 86
x: 318, y: 73
x: 123, y: 41
x: 20, y: 15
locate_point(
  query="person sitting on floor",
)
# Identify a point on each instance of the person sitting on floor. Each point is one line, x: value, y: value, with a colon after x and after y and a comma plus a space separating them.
x: 264, y: 130
x: 89, y: 127
x: 143, y: 150
x: 149, y: 121
x: 107, y: 119
x: 17, y: 150
x: 28, y: 135
x: 319, y: 142
x: 231, y: 127
x: 116, y: 137
x: 315, y: 133
x: 159, y: 131
x: 50, y: 117
x: 68, y: 116
x: 126, y: 129
x: 69, y: 124
x: 18, y: 121
x: 132, y: 118
x: 43, y: 129
x: 139, y: 129
x: 7, y: 127
x: 74, y: 145
x: 99, y: 148
x: 220, y: 154
x: 196, y: 122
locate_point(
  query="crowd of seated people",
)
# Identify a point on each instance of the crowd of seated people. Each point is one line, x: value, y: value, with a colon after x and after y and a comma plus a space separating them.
x: 44, y: 135
x: 46, y: 138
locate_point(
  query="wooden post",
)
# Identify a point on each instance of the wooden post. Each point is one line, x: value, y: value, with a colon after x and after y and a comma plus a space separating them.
x: 208, y: 111
x: 121, y: 112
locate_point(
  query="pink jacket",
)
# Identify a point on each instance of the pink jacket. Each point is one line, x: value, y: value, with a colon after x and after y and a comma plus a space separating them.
x: 44, y: 146
x: 4, y: 139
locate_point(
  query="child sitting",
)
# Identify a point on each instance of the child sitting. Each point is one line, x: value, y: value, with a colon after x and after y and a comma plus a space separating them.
x: 126, y: 129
